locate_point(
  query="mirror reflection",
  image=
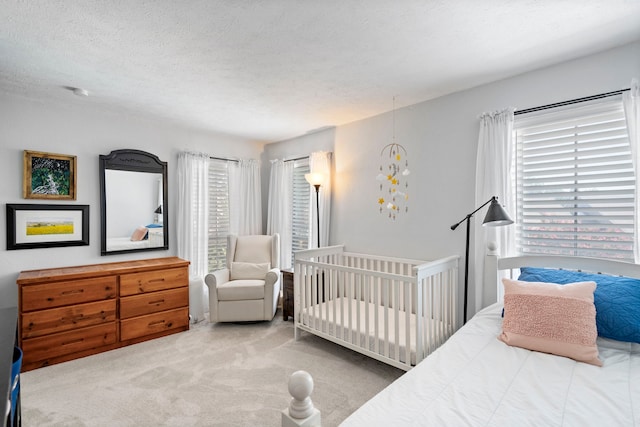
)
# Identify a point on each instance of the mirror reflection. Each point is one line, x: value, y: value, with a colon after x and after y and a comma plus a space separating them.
x: 134, y: 192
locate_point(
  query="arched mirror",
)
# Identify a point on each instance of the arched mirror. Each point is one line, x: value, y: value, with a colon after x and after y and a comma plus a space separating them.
x: 133, y: 184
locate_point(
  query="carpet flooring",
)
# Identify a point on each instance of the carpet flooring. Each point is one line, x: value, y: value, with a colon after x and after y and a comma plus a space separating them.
x: 212, y: 375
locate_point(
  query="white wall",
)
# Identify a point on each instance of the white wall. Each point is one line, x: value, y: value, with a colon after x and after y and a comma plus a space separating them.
x: 439, y: 135
x: 76, y: 127
x: 441, y: 139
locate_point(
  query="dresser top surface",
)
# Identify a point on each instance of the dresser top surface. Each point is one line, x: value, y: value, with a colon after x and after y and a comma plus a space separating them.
x: 94, y: 270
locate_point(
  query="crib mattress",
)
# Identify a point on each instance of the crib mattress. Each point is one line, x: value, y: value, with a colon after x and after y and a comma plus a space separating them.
x: 346, y: 319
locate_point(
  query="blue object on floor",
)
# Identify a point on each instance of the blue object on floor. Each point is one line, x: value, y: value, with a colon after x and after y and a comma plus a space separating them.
x: 15, y: 384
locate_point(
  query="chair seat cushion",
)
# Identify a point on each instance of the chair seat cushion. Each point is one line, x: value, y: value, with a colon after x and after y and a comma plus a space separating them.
x: 239, y: 290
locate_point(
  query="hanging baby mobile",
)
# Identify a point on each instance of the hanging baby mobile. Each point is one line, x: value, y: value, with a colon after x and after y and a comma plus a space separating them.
x: 393, y: 178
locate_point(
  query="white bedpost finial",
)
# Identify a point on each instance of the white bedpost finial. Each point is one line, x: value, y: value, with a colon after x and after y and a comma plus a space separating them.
x: 300, y: 387
x: 492, y: 248
x: 301, y: 412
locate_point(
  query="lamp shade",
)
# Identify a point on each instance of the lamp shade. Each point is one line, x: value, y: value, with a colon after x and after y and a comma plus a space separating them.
x: 314, y: 178
x: 496, y: 215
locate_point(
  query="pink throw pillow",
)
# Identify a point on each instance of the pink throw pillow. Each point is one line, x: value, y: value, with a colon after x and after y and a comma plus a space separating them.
x: 551, y: 318
x: 139, y: 234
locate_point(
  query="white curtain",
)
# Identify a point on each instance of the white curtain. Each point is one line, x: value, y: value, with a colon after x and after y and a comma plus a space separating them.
x: 191, y: 224
x: 280, y: 207
x: 245, y: 194
x: 193, y: 171
x: 631, y: 103
x: 320, y: 162
x: 493, y: 178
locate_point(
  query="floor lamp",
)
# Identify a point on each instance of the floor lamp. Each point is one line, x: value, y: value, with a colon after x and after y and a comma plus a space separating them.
x: 495, y: 217
x: 316, y: 179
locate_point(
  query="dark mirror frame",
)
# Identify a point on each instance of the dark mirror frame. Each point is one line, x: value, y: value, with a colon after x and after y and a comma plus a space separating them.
x: 135, y: 161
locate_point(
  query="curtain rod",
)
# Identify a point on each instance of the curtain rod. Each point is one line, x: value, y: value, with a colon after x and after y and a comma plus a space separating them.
x: 573, y: 101
x: 297, y: 158
x: 223, y: 159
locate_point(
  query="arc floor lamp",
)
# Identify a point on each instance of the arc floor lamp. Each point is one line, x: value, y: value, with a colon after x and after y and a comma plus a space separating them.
x: 496, y: 216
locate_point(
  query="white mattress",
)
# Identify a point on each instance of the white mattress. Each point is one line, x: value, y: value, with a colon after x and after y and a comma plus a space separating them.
x: 325, y: 311
x: 476, y: 380
x: 154, y: 240
x: 125, y: 243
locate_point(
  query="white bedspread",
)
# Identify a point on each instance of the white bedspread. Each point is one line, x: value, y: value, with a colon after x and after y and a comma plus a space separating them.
x: 477, y: 380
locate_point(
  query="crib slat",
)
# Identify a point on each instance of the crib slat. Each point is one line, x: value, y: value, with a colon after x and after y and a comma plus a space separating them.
x: 376, y: 313
x: 343, y: 283
x: 358, y: 293
x: 396, y: 320
x: 407, y: 322
x: 367, y: 305
x: 386, y: 285
x: 350, y: 296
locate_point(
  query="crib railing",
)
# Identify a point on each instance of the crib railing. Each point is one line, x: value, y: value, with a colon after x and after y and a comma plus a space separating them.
x: 394, y: 310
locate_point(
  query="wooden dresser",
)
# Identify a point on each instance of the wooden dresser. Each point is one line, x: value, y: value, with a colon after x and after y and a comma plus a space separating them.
x: 71, y: 312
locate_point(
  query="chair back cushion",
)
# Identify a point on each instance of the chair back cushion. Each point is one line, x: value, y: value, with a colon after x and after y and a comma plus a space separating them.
x: 255, y: 249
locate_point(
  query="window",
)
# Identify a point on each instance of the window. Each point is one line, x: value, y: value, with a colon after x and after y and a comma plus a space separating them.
x: 575, y: 185
x: 300, y: 207
x: 218, y: 217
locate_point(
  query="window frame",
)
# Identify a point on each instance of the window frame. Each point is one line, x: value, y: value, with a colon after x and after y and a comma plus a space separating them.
x: 300, y: 207
x: 218, y: 213
x: 597, y: 176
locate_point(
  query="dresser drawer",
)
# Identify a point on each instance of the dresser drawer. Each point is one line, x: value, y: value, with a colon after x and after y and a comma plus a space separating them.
x: 37, y: 323
x: 50, y: 346
x: 150, y: 281
x: 154, y: 323
x: 49, y: 295
x: 138, y: 305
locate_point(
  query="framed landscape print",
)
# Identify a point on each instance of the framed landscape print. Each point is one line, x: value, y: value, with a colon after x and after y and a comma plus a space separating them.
x: 49, y: 176
x: 32, y: 226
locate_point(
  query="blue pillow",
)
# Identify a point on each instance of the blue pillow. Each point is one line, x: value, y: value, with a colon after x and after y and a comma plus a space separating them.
x: 617, y: 299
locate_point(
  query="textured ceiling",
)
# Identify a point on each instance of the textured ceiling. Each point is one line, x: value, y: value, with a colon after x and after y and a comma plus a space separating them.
x: 272, y: 70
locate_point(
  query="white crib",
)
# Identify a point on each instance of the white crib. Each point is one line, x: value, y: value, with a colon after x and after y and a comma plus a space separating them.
x: 393, y: 310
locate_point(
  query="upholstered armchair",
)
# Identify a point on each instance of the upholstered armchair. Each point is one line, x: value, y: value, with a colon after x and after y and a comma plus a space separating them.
x: 249, y: 288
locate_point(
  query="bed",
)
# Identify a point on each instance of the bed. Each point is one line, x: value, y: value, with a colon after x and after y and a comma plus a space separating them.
x: 154, y: 238
x: 391, y: 309
x: 476, y: 379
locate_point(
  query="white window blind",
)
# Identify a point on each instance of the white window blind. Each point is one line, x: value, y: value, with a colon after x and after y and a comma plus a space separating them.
x: 301, y: 206
x: 575, y: 183
x: 218, y: 221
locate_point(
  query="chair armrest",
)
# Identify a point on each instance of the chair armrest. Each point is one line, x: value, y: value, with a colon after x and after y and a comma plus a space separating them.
x: 216, y: 278
x: 271, y: 293
x: 213, y: 279
x: 272, y: 277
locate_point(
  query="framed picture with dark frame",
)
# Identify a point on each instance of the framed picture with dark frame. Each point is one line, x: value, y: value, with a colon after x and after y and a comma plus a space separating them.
x: 31, y: 226
x: 49, y: 176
